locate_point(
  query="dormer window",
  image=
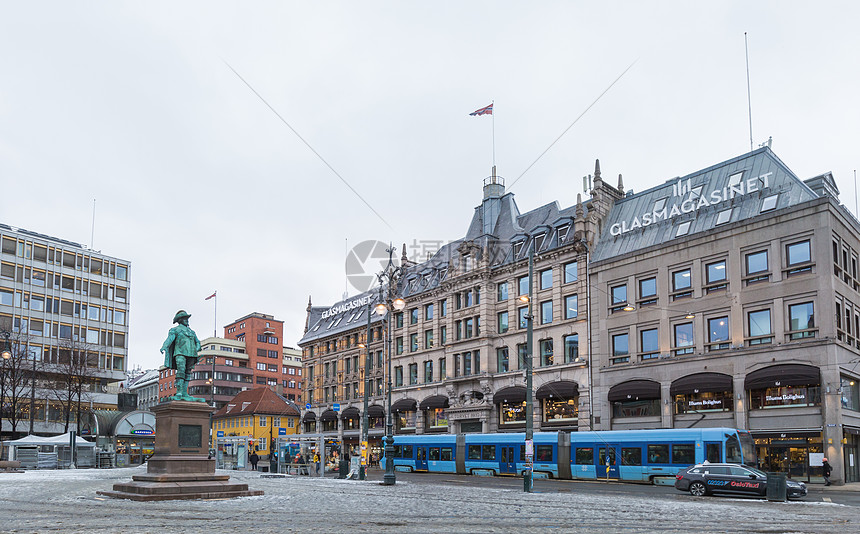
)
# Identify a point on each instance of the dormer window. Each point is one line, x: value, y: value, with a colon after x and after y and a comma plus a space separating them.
x: 660, y: 204
x: 735, y: 179
x: 683, y: 229
x: 539, y: 239
x: 467, y: 262
x: 724, y: 216
x: 562, y: 233
x: 518, y: 248
x: 769, y: 203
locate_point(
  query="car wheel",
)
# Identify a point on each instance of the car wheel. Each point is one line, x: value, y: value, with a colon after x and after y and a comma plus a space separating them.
x: 698, y: 489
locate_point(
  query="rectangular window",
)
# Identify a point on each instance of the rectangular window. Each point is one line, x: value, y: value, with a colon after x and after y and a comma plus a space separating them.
x: 571, y: 348
x: 718, y: 333
x: 398, y: 345
x: 428, y: 312
x: 798, y: 256
x: 413, y: 374
x: 398, y: 376
x: 413, y: 342
x: 488, y: 452
x: 522, y: 317
x: 522, y: 355
x: 428, y: 339
x: 546, y: 279
x: 716, y: 276
x: 502, y: 291
x: 658, y: 454
x: 443, y: 334
x: 443, y: 307
x: 503, y: 322
x: 618, y: 296
x: 682, y: 282
x: 759, y: 327
x: 620, y: 348
x: 443, y: 368
x: 503, y: 359
x: 546, y: 312
x: 398, y: 320
x: 546, y: 352
x: 428, y: 371
x: 468, y: 327
x: 584, y: 456
x: 648, y: 344
x: 757, y: 267
x: 571, y: 307
x: 683, y: 339
x: 801, y: 320
x: 523, y: 285
x: 413, y: 316
x: 570, y: 272
x: 683, y: 453
x: 631, y: 456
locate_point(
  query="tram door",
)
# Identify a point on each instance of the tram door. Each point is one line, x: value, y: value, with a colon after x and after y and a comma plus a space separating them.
x: 421, y: 458
x: 608, y: 461
x: 508, y: 463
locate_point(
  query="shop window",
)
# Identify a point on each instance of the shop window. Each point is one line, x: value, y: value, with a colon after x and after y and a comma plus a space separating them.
x: 850, y: 391
x: 704, y: 402
x: 512, y: 412
x: 636, y: 408
x: 777, y: 397
x: 436, y: 418
x: 558, y: 410
x: 406, y: 421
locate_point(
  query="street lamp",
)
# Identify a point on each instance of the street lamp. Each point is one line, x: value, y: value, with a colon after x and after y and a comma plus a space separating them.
x: 365, y: 421
x: 6, y: 355
x: 388, y: 280
x: 528, y: 482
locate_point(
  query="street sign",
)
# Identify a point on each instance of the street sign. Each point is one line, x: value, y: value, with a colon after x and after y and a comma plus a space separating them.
x: 530, y: 447
x: 335, y: 407
x: 220, y: 434
x: 308, y: 406
x: 282, y: 431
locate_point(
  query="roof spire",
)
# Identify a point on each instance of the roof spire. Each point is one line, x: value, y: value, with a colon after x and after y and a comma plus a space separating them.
x: 403, y: 258
x: 596, y: 169
x: 620, y: 184
x: 579, y: 212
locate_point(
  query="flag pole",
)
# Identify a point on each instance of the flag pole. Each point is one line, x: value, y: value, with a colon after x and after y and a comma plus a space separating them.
x: 215, y: 330
x: 494, y: 133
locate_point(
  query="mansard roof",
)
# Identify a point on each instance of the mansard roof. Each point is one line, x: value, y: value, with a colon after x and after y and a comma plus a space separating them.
x: 735, y: 190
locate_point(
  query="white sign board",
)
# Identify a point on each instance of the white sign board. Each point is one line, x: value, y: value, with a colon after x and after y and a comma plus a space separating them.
x: 816, y: 459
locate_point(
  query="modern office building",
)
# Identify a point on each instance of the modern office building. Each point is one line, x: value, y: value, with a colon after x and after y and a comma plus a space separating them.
x: 65, y: 308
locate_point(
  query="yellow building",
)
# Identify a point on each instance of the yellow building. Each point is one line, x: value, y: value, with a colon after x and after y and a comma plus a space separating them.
x: 258, y: 414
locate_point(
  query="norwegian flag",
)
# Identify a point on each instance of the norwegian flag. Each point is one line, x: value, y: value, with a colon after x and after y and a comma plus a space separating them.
x: 211, y: 296
x: 483, y: 111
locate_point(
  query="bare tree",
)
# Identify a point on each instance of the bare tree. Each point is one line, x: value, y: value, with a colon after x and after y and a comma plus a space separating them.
x: 16, y: 381
x: 72, y: 378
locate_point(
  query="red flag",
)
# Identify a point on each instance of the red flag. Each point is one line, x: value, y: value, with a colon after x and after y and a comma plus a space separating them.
x: 210, y: 296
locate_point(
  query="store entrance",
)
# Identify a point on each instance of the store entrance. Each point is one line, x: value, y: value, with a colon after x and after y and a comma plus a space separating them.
x: 790, y: 455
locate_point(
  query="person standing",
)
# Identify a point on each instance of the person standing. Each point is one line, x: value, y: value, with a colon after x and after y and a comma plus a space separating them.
x: 828, y: 469
x: 254, y: 459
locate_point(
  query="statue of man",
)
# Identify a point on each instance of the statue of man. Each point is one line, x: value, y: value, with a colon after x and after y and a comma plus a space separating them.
x: 180, y: 353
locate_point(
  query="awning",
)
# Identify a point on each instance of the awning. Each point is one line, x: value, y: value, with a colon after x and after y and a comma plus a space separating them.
x: 511, y: 395
x: 434, y: 401
x: 701, y: 383
x: 310, y: 416
x: 375, y: 411
x: 350, y: 413
x: 634, y: 390
x: 404, y: 405
x: 790, y: 374
x: 329, y: 415
x: 561, y: 390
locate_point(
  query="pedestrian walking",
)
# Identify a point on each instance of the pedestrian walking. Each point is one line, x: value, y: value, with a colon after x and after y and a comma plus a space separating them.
x: 827, y: 468
x: 254, y: 459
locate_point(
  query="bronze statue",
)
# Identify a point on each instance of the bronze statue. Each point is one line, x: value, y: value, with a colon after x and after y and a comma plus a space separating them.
x: 180, y: 353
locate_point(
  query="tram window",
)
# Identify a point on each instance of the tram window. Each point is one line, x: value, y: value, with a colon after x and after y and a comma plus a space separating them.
x: 714, y: 454
x: 543, y: 453
x: 407, y: 451
x: 398, y: 451
x: 474, y: 452
x: 447, y: 454
x: 434, y: 453
x: 733, y: 450
x: 584, y: 456
x: 658, y: 454
x: 606, y: 456
x: 488, y: 452
x: 631, y: 456
x: 683, y: 453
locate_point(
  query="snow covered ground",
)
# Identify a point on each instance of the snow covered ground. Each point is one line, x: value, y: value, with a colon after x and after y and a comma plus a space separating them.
x: 66, y: 501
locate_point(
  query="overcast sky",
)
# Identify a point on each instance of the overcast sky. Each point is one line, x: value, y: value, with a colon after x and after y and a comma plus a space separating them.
x: 203, y: 188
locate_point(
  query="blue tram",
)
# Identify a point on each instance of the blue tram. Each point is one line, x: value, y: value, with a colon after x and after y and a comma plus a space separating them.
x: 629, y: 455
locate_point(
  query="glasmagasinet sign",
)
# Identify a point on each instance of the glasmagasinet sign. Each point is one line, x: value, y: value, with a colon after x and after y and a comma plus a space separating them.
x: 346, y: 306
x: 688, y: 199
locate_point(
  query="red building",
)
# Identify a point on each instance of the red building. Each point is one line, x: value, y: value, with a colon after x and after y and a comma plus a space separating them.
x: 263, y: 336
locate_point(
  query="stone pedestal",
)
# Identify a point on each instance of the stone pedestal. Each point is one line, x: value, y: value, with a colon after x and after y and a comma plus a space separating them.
x: 180, y: 467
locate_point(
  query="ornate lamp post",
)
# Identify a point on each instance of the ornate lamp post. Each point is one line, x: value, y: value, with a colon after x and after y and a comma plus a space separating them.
x: 365, y: 421
x: 528, y: 482
x: 388, y: 283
